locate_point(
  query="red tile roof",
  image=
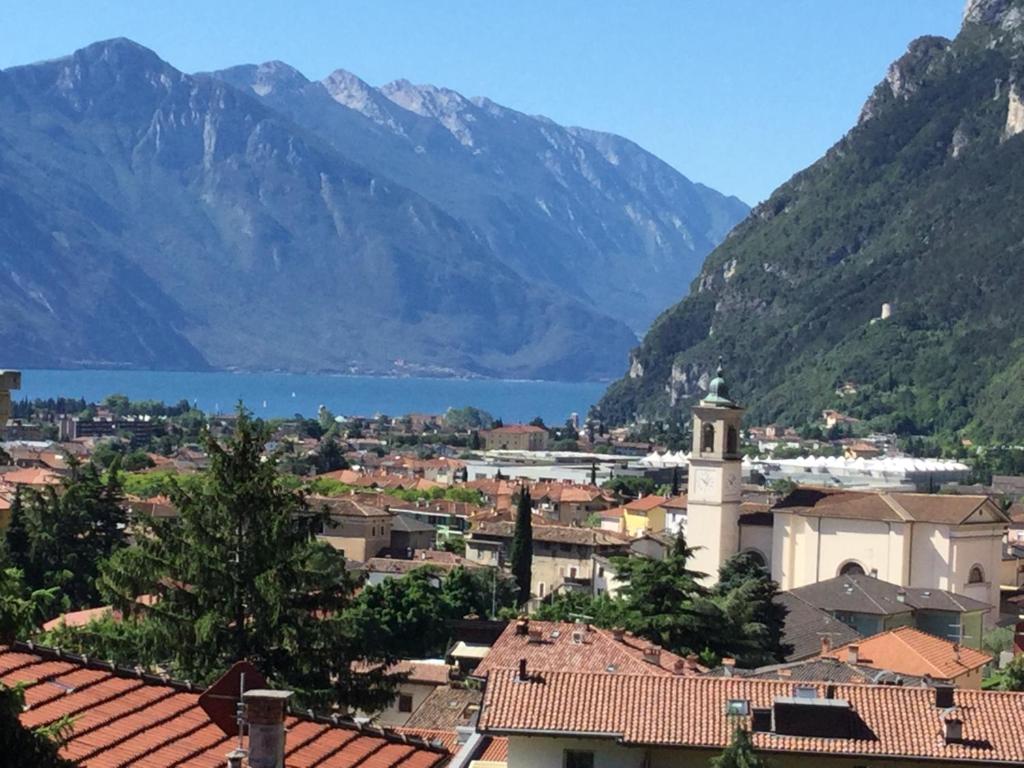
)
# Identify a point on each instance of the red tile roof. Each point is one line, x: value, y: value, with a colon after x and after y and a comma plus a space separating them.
x: 599, y: 651
x: 646, y: 503
x: 892, y: 721
x: 122, y: 718
x: 896, y: 507
x: 910, y: 651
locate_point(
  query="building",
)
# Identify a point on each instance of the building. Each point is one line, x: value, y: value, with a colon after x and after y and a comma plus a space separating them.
x: 140, y: 428
x: 562, y: 556
x: 419, y: 679
x: 359, y: 530
x: 515, y: 437
x: 378, y: 569
x: 821, y: 669
x: 715, y: 479
x: 808, y: 626
x: 409, y: 534
x: 556, y: 645
x: 124, y: 717
x: 870, y: 606
x: 593, y: 720
x: 675, y: 514
x: 569, y: 503
x: 928, y: 541
x: 9, y: 381
x: 646, y: 514
x: 909, y: 651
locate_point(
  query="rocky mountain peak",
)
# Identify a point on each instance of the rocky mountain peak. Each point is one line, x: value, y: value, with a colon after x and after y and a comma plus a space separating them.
x: 450, y: 108
x: 907, y: 74
x: 276, y: 75
x: 1004, y: 14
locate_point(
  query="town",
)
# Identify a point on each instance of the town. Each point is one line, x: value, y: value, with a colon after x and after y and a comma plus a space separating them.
x: 492, y: 584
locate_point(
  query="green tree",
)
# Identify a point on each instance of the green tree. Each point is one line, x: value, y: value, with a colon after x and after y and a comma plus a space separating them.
x: 241, y: 575
x: 752, y: 622
x: 22, y: 747
x: 23, y: 609
x: 665, y: 601
x: 521, y: 551
x: 329, y: 456
x: 601, y: 611
x: 1013, y: 674
x: 69, y: 531
x: 740, y: 753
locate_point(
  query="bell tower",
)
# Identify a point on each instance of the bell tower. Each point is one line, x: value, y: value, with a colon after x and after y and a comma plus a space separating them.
x: 715, y: 479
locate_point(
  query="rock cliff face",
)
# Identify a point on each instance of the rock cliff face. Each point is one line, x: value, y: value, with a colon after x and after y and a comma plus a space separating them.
x: 919, y: 207
x: 260, y: 220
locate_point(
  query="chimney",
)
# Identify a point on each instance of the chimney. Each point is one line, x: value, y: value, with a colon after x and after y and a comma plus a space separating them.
x: 618, y: 633
x: 577, y: 637
x: 852, y: 653
x: 680, y: 667
x: 535, y: 636
x: 652, y: 654
x: 943, y: 696
x: 729, y: 662
x: 523, y: 676
x: 956, y: 651
x: 264, y: 713
x: 901, y: 596
x: 235, y: 758
x: 522, y: 626
x: 952, y: 730
x: 826, y: 645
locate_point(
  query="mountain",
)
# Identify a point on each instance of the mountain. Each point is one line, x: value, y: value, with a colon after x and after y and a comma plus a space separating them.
x: 584, y: 212
x: 919, y: 207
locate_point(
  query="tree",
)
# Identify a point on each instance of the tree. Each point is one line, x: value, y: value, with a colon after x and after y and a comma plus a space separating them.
x: 752, y: 622
x: 1013, y: 674
x: 740, y: 753
x: 68, y: 531
x: 601, y: 611
x: 241, y: 575
x: 22, y: 609
x: 329, y: 456
x: 665, y: 601
x: 25, y: 747
x: 521, y: 551
x: 674, y: 491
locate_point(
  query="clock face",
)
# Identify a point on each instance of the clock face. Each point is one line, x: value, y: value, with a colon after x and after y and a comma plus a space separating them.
x: 705, y: 481
x: 733, y: 482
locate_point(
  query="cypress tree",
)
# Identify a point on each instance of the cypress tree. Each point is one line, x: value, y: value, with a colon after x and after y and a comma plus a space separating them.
x: 740, y: 753
x: 521, y: 552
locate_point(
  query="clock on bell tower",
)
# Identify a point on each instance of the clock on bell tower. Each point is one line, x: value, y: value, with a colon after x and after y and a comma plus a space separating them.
x: 715, y: 479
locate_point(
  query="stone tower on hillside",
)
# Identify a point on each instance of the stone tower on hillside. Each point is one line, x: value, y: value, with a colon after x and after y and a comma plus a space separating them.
x: 716, y: 478
x: 9, y: 380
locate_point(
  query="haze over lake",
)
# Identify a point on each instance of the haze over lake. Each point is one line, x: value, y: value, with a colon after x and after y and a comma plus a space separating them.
x: 281, y: 394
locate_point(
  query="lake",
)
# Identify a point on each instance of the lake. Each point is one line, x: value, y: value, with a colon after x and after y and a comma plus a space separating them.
x: 282, y: 394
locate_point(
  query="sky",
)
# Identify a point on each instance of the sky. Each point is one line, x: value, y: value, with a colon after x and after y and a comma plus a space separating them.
x: 736, y: 94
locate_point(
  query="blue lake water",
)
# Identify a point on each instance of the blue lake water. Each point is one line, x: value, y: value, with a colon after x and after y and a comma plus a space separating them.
x: 282, y: 394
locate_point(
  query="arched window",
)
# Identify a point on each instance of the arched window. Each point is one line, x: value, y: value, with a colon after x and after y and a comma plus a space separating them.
x: 732, y: 443
x: 707, y: 438
x: 756, y: 557
x: 976, y: 575
x: 851, y: 568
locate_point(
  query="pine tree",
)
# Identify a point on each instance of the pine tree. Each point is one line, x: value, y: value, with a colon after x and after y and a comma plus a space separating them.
x: 16, y: 542
x: 240, y: 574
x: 20, y: 746
x: 521, y: 552
x: 752, y: 620
x: 740, y: 753
x: 675, y: 481
x: 665, y: 601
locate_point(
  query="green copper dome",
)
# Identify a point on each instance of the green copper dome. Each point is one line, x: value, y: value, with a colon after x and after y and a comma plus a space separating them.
x: 718, y: 390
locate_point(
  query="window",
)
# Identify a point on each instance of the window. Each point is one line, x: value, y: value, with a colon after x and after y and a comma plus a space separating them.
x: 575, y: 758
x: 540, y: 589
x: 732, y: 443
x: 404, y: 702
x: 572, y: 572
x: 739, y: 707
x: 851, y: 568
x: 976, y: 576
x: 805, y: 691
x: 756, y: 557
x: 707, y: 438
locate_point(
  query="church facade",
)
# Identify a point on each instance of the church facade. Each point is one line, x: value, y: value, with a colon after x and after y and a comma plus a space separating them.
x: 929, y: 541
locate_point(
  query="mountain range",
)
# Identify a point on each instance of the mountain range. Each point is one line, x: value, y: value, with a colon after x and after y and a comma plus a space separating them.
x: 884, y: 280
x: 254, y: 219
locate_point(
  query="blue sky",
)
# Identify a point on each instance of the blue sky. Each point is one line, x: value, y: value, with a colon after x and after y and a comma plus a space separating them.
x: 738, y: 94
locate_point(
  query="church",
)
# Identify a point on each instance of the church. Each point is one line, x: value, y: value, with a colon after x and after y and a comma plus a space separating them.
x: 929, y: 541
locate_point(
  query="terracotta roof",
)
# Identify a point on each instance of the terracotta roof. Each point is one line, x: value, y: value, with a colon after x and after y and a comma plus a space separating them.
x: 516, y: 429
x: 446, y: 707
x: 943, y: 509
x: 426, y: 671
x: 886, y: 721
x: 599, y: 652
x: 646, y: 503
x: 444, y: 561
x: 80, y: 618
x: 912, y: 652
x: 676, y: 502
x: 31, y: 476
x: 1016, y: 512
x: 559, y: 534
x: 347, y: 506
x: 123, y: 718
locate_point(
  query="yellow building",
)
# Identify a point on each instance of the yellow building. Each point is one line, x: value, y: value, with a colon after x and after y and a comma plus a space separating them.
x: 645, y: 515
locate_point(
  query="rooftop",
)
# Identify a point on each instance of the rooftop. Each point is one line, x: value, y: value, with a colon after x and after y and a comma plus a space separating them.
x: 866, y: 594
x: 807, y: 624
x: 910, y: 651
x: 558, y: 534
x: 943, y: 509
x: 124, y: 718
x: 888, y: 721
x: 555, y: 646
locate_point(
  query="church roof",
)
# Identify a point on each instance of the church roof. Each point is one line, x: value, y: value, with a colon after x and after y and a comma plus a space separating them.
x: 941, y: 509
x: 866, y: 594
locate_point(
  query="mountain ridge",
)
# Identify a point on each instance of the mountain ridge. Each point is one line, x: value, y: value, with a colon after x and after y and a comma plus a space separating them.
x: 153, y: 218
x: 914, y: 208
